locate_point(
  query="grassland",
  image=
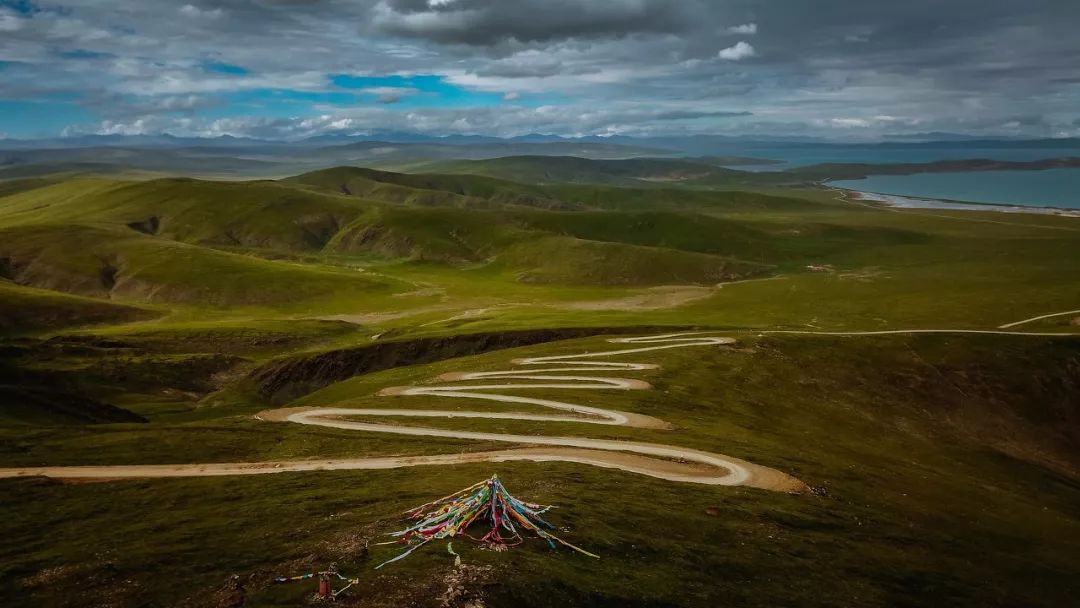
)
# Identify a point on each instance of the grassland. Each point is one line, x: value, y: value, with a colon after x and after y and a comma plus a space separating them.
x: 969, y: 459
x: 946, y: 465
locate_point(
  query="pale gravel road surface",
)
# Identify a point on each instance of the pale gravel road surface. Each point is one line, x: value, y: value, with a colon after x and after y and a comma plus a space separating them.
x: 553, y: 372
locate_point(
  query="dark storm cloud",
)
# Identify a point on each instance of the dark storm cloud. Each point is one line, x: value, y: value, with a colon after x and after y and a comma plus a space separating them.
x: 486, y: 22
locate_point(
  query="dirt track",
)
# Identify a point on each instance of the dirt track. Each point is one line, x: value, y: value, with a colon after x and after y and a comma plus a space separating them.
x: 1039, y: 318
x: 655, y: 460
x: 559, y: 372
x: 565, y: 372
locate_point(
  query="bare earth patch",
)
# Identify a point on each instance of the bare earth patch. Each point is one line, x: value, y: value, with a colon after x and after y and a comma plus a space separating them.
x: 655, y: 298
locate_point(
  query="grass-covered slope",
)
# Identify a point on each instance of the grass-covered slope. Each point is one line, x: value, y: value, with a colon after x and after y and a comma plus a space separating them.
x: 28, y: 309
x: 127, y: 265
x: 427, y: 189
x: 937, y: 460
x: 564, y: 260
x: 429, y: 234
x: 535, y: 246
x: 636, y: 172
x: 704, y: 232
x: 43, y: 405
x: 262, y: 214
x: 182, y: 240
x: 176, y: 240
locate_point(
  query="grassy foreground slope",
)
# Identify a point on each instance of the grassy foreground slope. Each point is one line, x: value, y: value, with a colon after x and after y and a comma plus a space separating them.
x: 928, y: 451
x: 938, y: 458
x: 29, y: 309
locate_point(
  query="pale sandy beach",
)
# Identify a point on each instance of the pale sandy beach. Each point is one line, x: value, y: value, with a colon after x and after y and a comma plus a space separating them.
x: 910, y: 202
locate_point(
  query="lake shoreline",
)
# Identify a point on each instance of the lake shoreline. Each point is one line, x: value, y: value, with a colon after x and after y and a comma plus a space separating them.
x: 916, y: 202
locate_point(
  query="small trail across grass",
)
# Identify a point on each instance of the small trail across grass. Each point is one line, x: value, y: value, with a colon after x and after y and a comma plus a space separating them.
x: 1039, y: 318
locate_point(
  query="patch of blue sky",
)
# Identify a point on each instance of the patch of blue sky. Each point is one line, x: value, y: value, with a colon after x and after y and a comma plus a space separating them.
x: 423, y: 82
x: 431, y: 90
x: 23, y: 7
x: 42, y: 117
x: 225, y: 68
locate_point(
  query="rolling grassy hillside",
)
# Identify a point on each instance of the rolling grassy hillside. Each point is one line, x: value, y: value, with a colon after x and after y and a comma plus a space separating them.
x: 563, y: 260
x: 971, y: 455
x: 635, y: 173
x: 466, y: 243
x: 259, y: 214
x: 250, y: 159
x: 111, y: 263
x: 427, y: 189
x: 181, y: 240
x: 148, y: 322
x: 442, y: 235
x: 28, y: 309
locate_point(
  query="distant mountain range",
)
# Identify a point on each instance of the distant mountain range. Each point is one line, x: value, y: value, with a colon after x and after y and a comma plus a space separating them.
x: 691, y: 145
x: 702, y: 157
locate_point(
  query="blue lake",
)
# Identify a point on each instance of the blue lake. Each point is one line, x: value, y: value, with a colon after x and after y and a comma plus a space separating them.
x: 1049, y: 188
x: 801, y: 155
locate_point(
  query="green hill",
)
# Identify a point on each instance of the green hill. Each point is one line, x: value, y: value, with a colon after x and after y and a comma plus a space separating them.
x: 533, y: 247
x: 28, y: 309
x: 177, y: 240
x: 430, y: 234
x: 575, y: 261
x: 635, y: 172
x: 427, y: 189
x: 150, y: 322
x: 923, y: 451
x: 261, y: 214
x: 123, y: 264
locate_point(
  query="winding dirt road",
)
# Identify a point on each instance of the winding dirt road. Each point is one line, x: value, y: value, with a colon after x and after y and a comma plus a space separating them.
x: 563, y: 372
x: 570, y: 372
x: 554, y: 372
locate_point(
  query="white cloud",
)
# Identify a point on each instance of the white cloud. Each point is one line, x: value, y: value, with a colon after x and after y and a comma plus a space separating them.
x: 142, y: 77
x: 850, y: 122
x: 185, y: 102
x: 506, y: 120
x: 741, y: 50
x: 390, y: 94
x: 512, y: 96
x: 859, y: 35
x: 747, y: 28
x: 190, y: 10
x: 9, y: 21
x: 881, y: 120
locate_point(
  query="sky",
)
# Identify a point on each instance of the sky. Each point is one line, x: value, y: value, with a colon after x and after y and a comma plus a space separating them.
x: 291, y: 69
